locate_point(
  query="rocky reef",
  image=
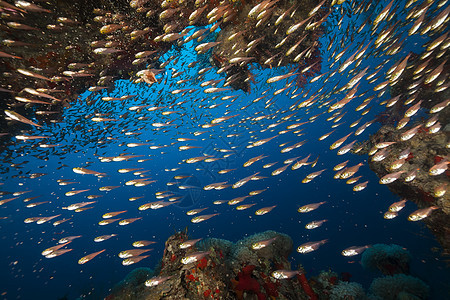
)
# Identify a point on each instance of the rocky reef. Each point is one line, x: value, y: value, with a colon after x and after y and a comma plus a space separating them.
x: 74, y: 45
x: 416, y: 124
x: 425, y: 150
x: 227, y: 270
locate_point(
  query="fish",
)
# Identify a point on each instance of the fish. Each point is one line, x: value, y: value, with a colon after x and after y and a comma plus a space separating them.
x: 57, y: 253
x: 102, y: 238
x: 354, y: 250
x: 58, y: 222
x: 202, y: 218
x: 132, y: 252
x: 133, y: 260
x: 339, y: 142
x: 264, y: 210
x: 397, y: 206
x: 128, y: 221
x: 138, y: 244
x: 7, y: 200
x: 440, y: 190
x: 46, y: 219
x: 17, y: 117
x: 54, y: 248
x: 76, y: 206
x: 439, y: 168
x: 107, y: 221
x: 89, y: 257
x: 194, y: 257
x: 68, y: 239
x: 410, y: 176
x: 113, y: 214
x: 389, y: 215
x: 284, y: 274
x: 254, y: 159
x: 244, y: 181
x: 195, y: 211
x: 315, y: 224
x: 340, y: 166
x: 360, y: 186
x: 189, y: 243
x: 349, y: 172
x: 422, y: 213
x: 301, y: 163
x: 280, y: 170
x: 80, y: 170
x: 76, y: 192
x: 263, y: 243
x: 310, y: 246
x: 154, y: 281
x: 389, y: 178
x: 310, y: 207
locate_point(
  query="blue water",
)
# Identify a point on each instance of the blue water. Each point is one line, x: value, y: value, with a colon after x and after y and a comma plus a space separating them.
x: 354, y: 218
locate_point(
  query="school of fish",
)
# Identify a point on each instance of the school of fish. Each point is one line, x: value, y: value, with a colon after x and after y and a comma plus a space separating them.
x: 222, y: 108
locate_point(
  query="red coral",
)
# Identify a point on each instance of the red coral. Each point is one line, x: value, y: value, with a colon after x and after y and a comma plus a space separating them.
x: 333, y: 280
x: 202, y: 264
x: 306, y: 287
x: 247, y: 283
x: 191, y: 277
x: 270, y: 287
x: 207, y: 293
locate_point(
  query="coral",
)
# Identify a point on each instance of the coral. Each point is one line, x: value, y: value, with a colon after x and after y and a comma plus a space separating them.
x: 347, y: 290
x: 226, y: 273
x: 327, y: 279
x: 306, y: 287
x: 279, y: 249
x: 246, y: 283
x: 203, y: 263
x: 399, y: 286
x: 389, y: 259
x: 426, y: 150
x: 224, y: 245
x: 270, y: 285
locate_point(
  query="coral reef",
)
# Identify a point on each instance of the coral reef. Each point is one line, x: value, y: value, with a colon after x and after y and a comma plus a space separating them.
x: 228, y: 271
x: 425, y: 151
x: 427, y: 146
x: 399, y: 286
x: 388, y: 259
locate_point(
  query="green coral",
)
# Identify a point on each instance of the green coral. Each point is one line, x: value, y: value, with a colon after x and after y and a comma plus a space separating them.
x: 389, y: 259
x: 399, y: 286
